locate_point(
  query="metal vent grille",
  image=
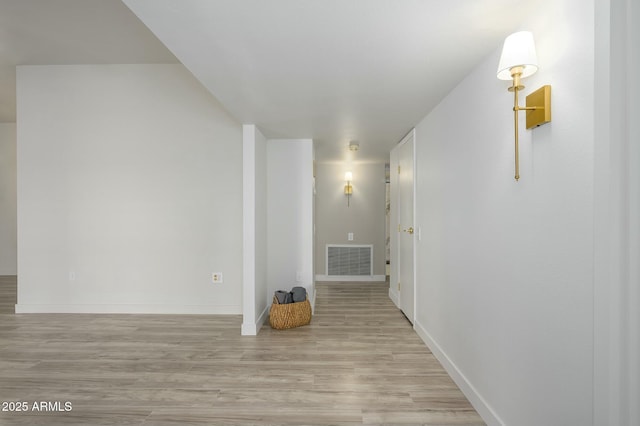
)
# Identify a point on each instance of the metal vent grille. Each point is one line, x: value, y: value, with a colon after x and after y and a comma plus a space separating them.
x: 349, y: 260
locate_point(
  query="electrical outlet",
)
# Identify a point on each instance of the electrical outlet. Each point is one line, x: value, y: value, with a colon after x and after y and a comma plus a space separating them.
x: 216, y: 277
x: 350, y: 236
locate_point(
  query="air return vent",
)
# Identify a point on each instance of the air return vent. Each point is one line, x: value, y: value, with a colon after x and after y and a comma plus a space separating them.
x: 349, y: 260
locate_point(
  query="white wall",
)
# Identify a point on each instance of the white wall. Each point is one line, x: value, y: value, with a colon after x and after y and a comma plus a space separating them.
x: 632, y: 265
x: 255, y: 300
x: 290, y: 215
x: 129, y: 188
x: 8, y: 208
x: 617, y: 216
x: 505, y: 268
x: 365, y: 216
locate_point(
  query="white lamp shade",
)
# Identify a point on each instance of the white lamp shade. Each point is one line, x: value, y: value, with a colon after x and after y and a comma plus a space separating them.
x: 348, y: 176
x: 518, y: 50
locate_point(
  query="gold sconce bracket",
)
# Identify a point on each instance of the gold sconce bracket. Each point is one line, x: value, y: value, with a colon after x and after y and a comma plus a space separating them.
x: 348, y: 191
x: 348, y: 188
x: 539, y: 107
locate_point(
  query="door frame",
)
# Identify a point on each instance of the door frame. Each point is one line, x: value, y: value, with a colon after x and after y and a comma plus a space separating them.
x: 395, y: 294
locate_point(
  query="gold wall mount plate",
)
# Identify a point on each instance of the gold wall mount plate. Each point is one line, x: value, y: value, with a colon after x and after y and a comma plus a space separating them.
x: 541, y: 100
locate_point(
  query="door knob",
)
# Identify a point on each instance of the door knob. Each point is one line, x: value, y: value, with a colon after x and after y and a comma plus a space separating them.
x: 410, y: 230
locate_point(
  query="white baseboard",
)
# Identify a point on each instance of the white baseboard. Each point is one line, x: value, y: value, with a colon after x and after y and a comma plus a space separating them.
x: 249, y: 329
x: 262, y: 318
x: 482, y: 407
x: 394, y: 298
x: 313, y: 301
x: 129, y: 309
x: 358, y: 278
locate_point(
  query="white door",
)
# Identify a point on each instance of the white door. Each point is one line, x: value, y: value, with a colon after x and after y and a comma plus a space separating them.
x: 406, y: 233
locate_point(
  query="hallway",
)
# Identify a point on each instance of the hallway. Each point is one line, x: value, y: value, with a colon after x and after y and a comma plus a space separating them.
x: 359, y: 362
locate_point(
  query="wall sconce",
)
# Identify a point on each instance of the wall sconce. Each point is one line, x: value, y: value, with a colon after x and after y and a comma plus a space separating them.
x: 519, y: 60
x: 348, y: 188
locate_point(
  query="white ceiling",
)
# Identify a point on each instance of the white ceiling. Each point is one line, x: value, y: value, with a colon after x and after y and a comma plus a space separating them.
x: 331, y: 70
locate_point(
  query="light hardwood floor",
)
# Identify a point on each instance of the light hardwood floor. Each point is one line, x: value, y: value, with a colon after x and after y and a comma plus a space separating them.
x: 359, y: 362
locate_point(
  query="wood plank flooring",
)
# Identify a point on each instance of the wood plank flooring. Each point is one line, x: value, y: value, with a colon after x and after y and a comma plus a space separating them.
x: 358, y: 362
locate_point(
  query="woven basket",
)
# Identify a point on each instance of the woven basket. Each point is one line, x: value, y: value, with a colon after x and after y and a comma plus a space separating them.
x: 289, y: 315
